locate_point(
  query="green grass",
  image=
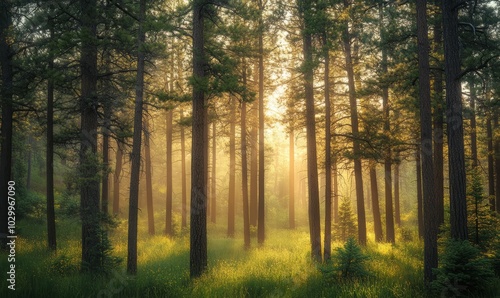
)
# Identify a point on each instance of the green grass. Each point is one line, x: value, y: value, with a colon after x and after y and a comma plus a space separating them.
x: 281, y: 268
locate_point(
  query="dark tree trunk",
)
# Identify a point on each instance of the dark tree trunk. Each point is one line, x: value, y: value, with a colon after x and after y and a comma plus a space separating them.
x: 244, y: 173
x: 183, y: 174
x: 51, y: 217
x: 291, y: 181
x: 149, y: 178
x: 420, y: 209
x: 28, y: 174
x: 312, y: 166
x: 346, y: 38
x: 377, y: 222
x: 135, y: 156
x: 491, y: 170
x: 328, y: 157
x: 198, y: 236
x: 438, y: 119
x: 429, y: 202
x: 232, y: 171
x: 213, y: 189
x: 116, y: 177
x: 105, y: 157
x: 397, y: 212
x: 169, y: 230
x: 496, y: 149
x: 89, y: 168
x: 473, y: 137
x: 254, y: 163
x: 7, y: 112
x: 458, y: 203
x: 261, y: 229
x: 335, y: 190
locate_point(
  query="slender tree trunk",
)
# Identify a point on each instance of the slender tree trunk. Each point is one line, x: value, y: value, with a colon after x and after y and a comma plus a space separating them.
x: 377, y: 222
x: 312, y: 166
x: 51, y: 217
x: 473, y: 137
x: 389, y: 219
x: 244, y: 173
x: 254, y: 163
x: 198, y: 219
x: 105, y: 157
x: 491, y: 170
x: 232, y: 171
x: 28, y: 174
x: 355, y: 133
x: 397, y: 212
x: 261, y: 229
x: 89, y: 168
x: 328, y: 157
x: 117, y: 174
x: 136, y: 148
x: 420, y: 209
x: 183, y: 174
x: 438, y: 120
x: 291, y: 181
x: 149, y: 178
x: 213, y: 206
x: 496, y: 147
x: 169, y: 230
x: 456, y: 159
x: 429, y: 202
x: 335, y: 190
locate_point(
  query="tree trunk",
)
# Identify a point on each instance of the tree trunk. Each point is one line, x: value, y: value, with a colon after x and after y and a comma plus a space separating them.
x: 429, y: 203
x: 355, y: 133
x: 89, y: 167
x: 312, y: 166
x: 496, y: 147
x: 213, y: 205
x: 169, y: 230
x: 328, y: 157
x: 183, y: 174
x: 261, y: 229
x: 377, y: 222
x: 51, y: 217
x: 28, y: 174
x: 198, y: 235
x: 397, y: 212
x: 232, y: 171
x: 473, y: 137
x: 7, y: 112
x: 105, y: 158
x: 420, y: 210
x: 135, y: 156
x: 244, y: 173
x: 149, y: 178
x: 291, y: 181
x: 458, y: 203
x: 254, y: 163
x: 438, y: 119
x: 116, y: 181
x: 491, y: 170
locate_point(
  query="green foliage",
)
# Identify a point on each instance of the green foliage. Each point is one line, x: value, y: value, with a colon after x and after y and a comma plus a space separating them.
x: 346, y: 226
x: 463, y: 270
x: 30, y: 204
x: 64, y: 265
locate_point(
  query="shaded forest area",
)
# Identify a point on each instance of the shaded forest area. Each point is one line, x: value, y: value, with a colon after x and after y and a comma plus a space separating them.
x: 250, y: 148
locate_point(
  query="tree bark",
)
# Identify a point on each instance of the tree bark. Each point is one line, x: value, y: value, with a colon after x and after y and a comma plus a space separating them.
x: 456, y: 159
x: 244, y: 173
x: 312, y: 166
x: 491, y: 169
x: 7, y: 113
x: 420, y: 209
x: 254, y: 163
x: 183, y: 174
x: 51, y: 217
x: 232, y: 171
x: 346, y: 39
x: 89, y: 167
x: 213, y: 204
x: 496, y: 147
x: 328, y: 157
x: 169, y: 230
x: 149, y: 178
x: 116, y: 178
x: 198, y: 235
x: 261, y: 229
x: 377, y: 222
x: 397, y: 212
x: 429, y: 202
x: 136, y: 147
x: 473, y: 134
x: 291, y: 180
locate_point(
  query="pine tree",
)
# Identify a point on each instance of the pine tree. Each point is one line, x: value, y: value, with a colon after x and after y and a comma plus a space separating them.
x: 346, y: 226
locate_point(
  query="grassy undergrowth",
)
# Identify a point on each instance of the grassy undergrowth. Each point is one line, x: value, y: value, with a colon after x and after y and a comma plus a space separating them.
x: 281, y: 268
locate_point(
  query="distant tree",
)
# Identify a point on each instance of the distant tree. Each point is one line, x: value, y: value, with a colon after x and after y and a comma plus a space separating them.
x: 346, y: 226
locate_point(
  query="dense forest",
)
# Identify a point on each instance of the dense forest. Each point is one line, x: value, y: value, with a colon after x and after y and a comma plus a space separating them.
x: 250, y: 148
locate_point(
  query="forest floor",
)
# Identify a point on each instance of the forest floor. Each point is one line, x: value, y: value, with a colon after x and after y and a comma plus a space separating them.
x: 281, y: 268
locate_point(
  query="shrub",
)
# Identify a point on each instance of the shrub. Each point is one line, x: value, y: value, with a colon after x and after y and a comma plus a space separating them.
x: 463, y: 270
x: 349, y: 262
